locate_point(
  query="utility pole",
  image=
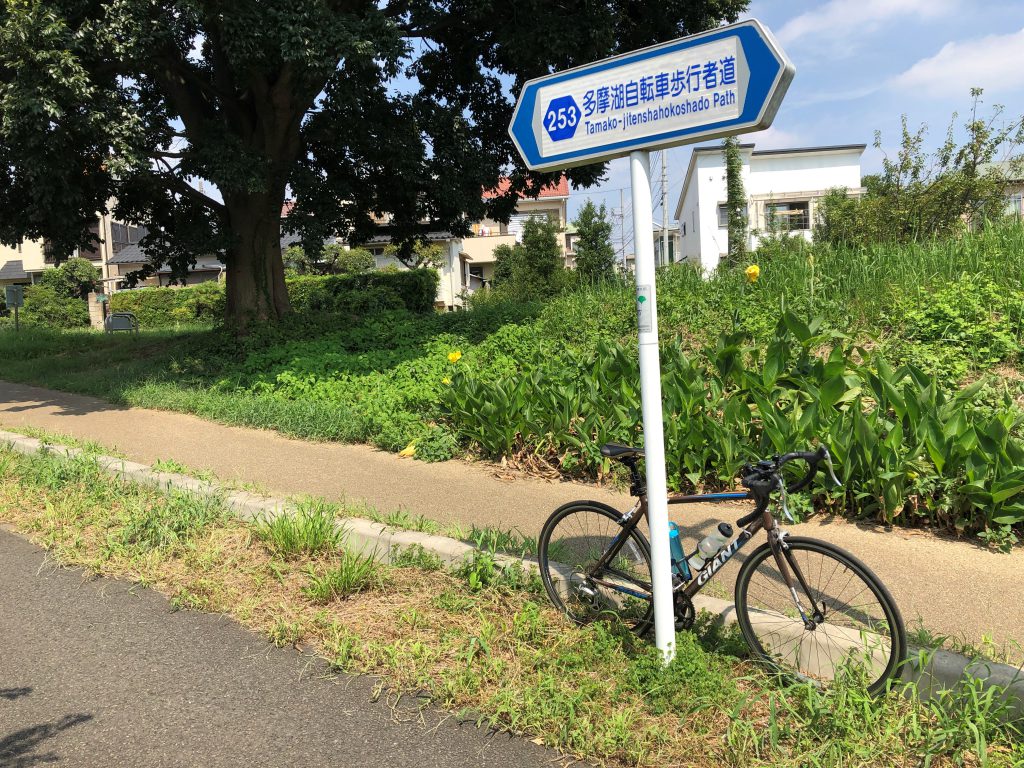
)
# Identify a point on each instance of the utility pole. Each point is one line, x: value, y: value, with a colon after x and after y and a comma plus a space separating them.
x: 622, y: 230
x: 664, y: 206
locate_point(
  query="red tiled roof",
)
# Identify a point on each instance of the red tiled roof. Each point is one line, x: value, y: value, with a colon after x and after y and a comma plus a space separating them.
x: 558, y: 189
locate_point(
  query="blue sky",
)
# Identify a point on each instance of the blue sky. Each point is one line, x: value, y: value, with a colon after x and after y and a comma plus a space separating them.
x: 860, y: 64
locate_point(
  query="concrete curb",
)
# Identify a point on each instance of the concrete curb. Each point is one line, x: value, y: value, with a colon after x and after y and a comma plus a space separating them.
x: 932, y: 671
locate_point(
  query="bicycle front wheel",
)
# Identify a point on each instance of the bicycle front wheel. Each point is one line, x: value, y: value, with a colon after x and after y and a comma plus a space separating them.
x: 573, y: 541
x: 853, y: 626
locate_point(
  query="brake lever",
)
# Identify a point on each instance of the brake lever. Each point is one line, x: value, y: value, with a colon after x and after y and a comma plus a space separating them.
x: 831, y: 471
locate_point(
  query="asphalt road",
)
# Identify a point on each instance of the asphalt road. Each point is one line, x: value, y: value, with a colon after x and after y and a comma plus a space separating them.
x: 99, y: 673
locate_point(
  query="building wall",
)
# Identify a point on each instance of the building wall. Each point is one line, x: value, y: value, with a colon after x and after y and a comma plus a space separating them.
x: 26, y: 257
x: 779, y: 174
x: 1015, y: 198
x: 689, y: 227
x: 767, y: 179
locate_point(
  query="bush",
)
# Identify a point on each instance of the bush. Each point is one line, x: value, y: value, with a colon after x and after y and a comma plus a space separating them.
x: 969, y: 324
x: 44, y: 306
x: 73, y: 279
x: 334, y: 259
x: 904, y: 449
x: 170, y: 307
x: 360, y: 294
x: 414, y: 290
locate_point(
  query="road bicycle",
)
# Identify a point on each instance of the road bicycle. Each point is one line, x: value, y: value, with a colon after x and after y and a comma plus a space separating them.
x: 806, y: 608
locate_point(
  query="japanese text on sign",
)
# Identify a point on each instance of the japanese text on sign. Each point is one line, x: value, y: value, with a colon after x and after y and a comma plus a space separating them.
x: 652, y: 96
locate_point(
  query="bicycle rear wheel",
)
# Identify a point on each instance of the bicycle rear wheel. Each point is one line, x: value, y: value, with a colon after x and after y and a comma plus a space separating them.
x: 855, y: 627
x: 572, y: 542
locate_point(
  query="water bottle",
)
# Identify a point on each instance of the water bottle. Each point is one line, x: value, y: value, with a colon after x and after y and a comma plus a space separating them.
x: 676, y: 545
x: 710, y: 546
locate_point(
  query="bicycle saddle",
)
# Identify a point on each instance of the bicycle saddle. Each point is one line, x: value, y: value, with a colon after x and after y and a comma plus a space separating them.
x: 616, y: 451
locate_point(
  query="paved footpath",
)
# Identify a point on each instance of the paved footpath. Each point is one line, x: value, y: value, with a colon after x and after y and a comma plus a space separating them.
x: 96, y: 672
x: 956, y: 587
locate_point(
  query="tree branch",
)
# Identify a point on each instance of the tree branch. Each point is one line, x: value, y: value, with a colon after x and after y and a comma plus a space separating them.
x: 178, y: 184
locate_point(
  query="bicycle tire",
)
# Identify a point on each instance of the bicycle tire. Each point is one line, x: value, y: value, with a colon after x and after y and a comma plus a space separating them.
x: 799, y: 652
x: 570, y: 585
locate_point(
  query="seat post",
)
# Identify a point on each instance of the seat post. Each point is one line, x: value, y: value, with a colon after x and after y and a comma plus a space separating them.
x: 637, y: 486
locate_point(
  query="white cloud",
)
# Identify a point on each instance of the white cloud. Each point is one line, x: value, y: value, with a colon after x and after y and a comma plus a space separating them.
x: 842, y: 23
x: 775, y: 138
x: 991, y: 62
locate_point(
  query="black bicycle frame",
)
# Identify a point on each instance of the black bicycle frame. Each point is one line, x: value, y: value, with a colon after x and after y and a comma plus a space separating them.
x: 749, y: 524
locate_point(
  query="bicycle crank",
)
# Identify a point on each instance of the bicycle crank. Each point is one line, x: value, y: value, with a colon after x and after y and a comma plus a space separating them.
x: 685, y: 613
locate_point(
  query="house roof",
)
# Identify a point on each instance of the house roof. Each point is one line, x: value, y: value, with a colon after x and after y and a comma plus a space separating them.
x: 717, y: 149
x: 810, y: 150
x: 133, y: 254
x: 130, y: 254
x: 431, y: 236
x: 1013, y: 170
x: 13, y: 270
x: 559, y: 189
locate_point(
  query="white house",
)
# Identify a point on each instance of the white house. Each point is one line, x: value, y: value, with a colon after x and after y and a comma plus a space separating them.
x: 782, y: 186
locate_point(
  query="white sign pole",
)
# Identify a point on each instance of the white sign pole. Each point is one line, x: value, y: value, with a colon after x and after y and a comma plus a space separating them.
x: 650, y: 392
x: 722, y: 82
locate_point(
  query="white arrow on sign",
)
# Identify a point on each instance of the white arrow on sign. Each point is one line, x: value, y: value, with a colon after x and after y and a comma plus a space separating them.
x: 726, y: 81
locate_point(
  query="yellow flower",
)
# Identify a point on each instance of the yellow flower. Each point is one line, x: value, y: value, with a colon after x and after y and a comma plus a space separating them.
x: 409, y: 450
x: 446, y: 380
x: 454, y: 357
x: 752, y: 272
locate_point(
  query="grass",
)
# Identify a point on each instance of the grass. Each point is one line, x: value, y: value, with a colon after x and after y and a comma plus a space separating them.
x: 987, y: 649
x: 312, y: 529
x: 501, y: 540
x: 60, y: 438
x: 483, y: 641
x: 351, y: 575
x: 379, y: 379
x: 177, y: 468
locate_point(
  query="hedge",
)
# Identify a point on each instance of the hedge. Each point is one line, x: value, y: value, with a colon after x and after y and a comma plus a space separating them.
x: 167, y: 307
x: 414, y: 290
x: 44, y: 306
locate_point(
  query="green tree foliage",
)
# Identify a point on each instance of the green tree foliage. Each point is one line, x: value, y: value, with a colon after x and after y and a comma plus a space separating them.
x: 364, y: 110
x: 920, y: 195
x: 75, y: 278
x: 735, y: 199
x: 333, y: 259
x: 418, y: 254
x: 595, y: 255
x: 533, y: 268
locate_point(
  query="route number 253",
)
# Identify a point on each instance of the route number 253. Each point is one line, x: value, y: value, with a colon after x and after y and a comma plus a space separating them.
x: 561, y: 118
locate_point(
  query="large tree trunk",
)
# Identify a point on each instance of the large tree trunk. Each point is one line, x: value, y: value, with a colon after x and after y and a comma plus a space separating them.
x: 256, y: 291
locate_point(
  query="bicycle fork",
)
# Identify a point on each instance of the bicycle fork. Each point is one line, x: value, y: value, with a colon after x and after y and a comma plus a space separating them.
x: 780, y: 549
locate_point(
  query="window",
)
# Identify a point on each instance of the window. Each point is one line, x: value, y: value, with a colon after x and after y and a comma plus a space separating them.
x: 1015, y: 204
x: 723, y: 216
x: 684, y: 229
x: 787, y: 217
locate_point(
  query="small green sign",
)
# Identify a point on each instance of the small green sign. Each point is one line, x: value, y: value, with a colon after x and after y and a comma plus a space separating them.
x: 14, y: 296
x: 102, y: 298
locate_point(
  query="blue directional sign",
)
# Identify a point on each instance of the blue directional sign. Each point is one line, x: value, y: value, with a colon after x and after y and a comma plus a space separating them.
x: 726, y: 81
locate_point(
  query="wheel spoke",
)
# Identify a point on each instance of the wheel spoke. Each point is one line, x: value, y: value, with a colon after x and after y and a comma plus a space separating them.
x: 855, y: 627
x: 571, y: 545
